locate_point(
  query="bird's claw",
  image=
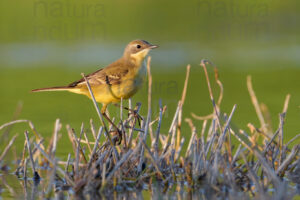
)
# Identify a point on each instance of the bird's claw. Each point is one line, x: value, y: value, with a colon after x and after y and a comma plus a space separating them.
x: 136, y: 115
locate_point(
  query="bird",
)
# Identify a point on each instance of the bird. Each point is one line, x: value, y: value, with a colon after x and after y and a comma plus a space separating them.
x: 119, y: 80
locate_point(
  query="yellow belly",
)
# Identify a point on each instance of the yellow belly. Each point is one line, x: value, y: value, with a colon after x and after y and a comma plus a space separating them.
x: 112, y: 94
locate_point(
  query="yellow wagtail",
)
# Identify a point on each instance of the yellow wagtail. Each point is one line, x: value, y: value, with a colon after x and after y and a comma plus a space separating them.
x: 120, y: 79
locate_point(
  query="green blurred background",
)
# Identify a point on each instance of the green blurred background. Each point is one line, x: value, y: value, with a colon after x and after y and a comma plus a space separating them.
x: 50, y: 42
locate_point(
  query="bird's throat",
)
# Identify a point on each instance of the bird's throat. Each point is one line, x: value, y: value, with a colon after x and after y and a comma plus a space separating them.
x: 139, y: 57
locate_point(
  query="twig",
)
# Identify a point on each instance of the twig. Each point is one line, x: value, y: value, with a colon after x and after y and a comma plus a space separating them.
x: 8, y: 147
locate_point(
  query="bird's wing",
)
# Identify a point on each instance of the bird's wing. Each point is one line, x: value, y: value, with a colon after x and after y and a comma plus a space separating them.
x: 110, y: 75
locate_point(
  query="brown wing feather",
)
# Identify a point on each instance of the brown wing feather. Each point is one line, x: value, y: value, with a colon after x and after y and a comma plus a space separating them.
x: 111, y: 74
x: 89, y: 76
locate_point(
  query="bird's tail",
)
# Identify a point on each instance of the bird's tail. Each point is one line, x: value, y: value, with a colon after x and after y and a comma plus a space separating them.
x: 60, y: 88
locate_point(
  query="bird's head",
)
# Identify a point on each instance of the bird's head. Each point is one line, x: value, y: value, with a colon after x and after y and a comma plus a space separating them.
x: 138, y: 50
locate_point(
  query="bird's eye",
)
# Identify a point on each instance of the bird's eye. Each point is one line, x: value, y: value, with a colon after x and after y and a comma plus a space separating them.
x: 138, y: 46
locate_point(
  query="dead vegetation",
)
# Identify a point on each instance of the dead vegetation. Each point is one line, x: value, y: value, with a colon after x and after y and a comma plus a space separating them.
x: 209, y: 166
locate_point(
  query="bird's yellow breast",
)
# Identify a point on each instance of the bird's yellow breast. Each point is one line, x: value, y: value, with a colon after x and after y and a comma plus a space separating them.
x: 128, y: 86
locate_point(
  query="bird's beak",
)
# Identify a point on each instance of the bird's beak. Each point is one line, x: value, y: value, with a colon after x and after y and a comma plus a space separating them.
x: 153, y: 46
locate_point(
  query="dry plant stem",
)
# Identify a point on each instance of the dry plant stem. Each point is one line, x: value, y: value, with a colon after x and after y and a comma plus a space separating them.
x: 65, y: 163
x: 77, y: 157
x: 141, y: 154
x: 95, y: 147
x: 8, y: 147
x: 153, y: 160
x: 192, y: 138
x: 21, y: 165
x: 97, y: 109
x: 149, y: 84
x: 13, y: 122
x: 22, y: 121
x: 71, y: 137
x: 292, y: 140
x: 221, y: 139
x: 56, y: 130
x: 122, y: 125
x: 25, y: 169
x: 210, y: 93
x: 87, y: 141
x: 30, y: 153
x: 237, y: 153
x: 67, y: 166
x: 15, y: 116
x: 177, y: 155
x: 77, y: 142
x: 256, y: 105
x: 36, y: 134
x: 188, y: 69
x: 210, y: 116
x: 93, y: 128
x: 70, y: 181
x: 167, y: 143
x: 137, y: 108
x: 119, y: 164
x: 267, y: 168
x: 286, y: 103
x: 280, y: 136
x: 253, y: 176
x: 149, y: 99
x: 220, y: 85
x: 158, y: 130
x: 282, y: 120
x: 288, y: 160
x: 51, y: 180
x: 146, y: 129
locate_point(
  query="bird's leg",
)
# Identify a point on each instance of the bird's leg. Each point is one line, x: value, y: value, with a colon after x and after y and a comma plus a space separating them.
x: 103, y: 109
x: 132, y: 112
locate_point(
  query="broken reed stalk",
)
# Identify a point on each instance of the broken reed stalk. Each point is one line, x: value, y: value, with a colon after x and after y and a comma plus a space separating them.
x: 56, y: 130
x: 35, y: 173
x: 158, y: 130
x: 188, y: 69
x: 256, y: 105
x: 216, y: 110
x: 220, y: 98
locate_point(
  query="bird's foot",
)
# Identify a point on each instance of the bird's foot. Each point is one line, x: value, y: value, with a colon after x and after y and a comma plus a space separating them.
x: 136, y: 115
x: 117, y: 136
